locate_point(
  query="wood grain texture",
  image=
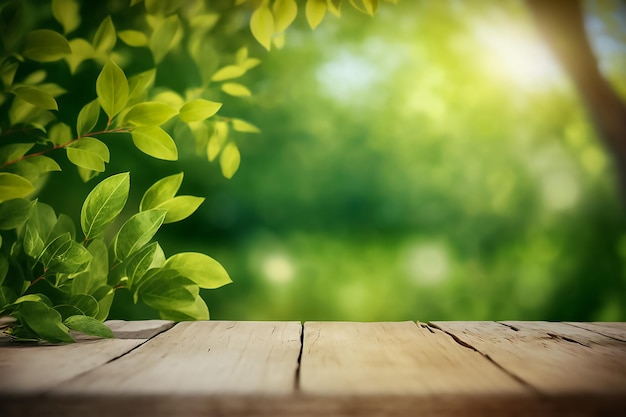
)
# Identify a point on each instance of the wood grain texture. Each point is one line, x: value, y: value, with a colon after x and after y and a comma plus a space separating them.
x: 202, y: 358
x: 616, y: 330
x: 34, y: 368
x: 553, y: 358
x: 403, y: 358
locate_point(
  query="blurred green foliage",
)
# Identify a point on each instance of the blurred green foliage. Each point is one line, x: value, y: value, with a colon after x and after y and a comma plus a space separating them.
x: 410, y: 167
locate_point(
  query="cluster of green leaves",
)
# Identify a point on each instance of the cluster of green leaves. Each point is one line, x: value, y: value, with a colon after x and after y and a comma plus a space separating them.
x: 52, y: 283
x: 269, y: 22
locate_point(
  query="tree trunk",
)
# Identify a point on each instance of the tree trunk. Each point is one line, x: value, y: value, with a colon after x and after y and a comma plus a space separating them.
x: 560, y: 23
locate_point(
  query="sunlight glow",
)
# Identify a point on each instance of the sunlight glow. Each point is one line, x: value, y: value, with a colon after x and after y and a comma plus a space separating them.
x: 427, y: 263
x: 346, y: 75
x: 513, y: 54
x: 278, y: 269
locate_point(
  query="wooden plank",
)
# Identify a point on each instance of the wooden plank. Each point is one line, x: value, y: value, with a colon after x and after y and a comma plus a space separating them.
x: 32, y: 369
x: 539, y: 354
x: 616, y: 330
x: 195, y: 358
x: 402, y: 358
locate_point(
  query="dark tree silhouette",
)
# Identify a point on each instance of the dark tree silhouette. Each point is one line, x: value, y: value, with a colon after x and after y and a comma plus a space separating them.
x: 560, y: 23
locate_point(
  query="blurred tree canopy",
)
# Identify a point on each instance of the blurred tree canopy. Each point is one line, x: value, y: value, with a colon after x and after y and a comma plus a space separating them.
x: 431, y: 162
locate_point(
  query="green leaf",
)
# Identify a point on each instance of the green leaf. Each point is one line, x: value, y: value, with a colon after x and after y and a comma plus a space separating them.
x: 334, y: 7
x: 14, y: 213
x: 285, y: 12
x: 81, y: 51
x: 60, y: 134
x: 88, y: 117
x: 36, y: 97
x: 88, y: 325
x: 161, y: 191
x: 229, y: 160
x: 262, y: 25
x: 14, y: 186
x: 103, y: 204
x: 13, y: 152
x: 205, y: 271
x: 140, y: 262
x: 44, y: 45
x: 198, y: 110
x: 151, y: 113
x: 104, y: 295
x: 315, y: 11
x: 236, y: 90
x: 133, y: 38
x: 39, y: 298
x: 66, y: 12
x: 105, y: 37
x: 64, y: 224
x: 44, y: 321
x: 69, y: 258
x: 136, y: 232
x: 228, y: 72
x: 165, y: 289
x: 7, y: 295
x: 243, y: 126
x: 181, y: 207
x: 217, y: 140
x: 89, y: 153
x: 162, y: 7
x: 197, y: 310
x: 164, y: 38
x: 96, y: 276
x: 112, y: 89
x: 139, y: 85
x: 154, y: 141
x: 44, y: 164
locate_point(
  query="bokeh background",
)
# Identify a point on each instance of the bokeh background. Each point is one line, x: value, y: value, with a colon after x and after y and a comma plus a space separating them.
x: 430, y: 163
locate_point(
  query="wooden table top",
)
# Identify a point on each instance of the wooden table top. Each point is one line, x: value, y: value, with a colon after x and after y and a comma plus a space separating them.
x: 222, y: 368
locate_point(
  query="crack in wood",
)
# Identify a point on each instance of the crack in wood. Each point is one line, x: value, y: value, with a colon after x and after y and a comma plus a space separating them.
x: 296, y: 384
x: 600, y: 332
x: 567, y: 339
x: 516, y: 377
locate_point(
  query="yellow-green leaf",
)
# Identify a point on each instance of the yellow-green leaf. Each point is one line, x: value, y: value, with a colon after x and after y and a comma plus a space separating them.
x: 81, y: 51
x: 243, y: 126
x: 151, y: 113
x: 105, y: 37
x: 161, y: 191
x: 334, y: 7
x: 154, y: 141
x: 112, y: 89
x: 66, y: 12
x: 164, y: 37
x: 139, y: 84
x: 44, y: 45
x: 198, y: 109
x: 36, y: 97
x: 88, y: 117
x: 180, y: 207
x: 14, y: 186
x: 285, y: 12
x: 14, y: 151
x: 103, y: 204
x: 229, y: 160
x: 205, y: 271
x: 88, y: 153
x: 133, y: 37
x: 60, y: 133
x: 315, y: 11
x: 228, y: 72
x: 235, y: 89
x: 262, y: 25
x: 217, y: 140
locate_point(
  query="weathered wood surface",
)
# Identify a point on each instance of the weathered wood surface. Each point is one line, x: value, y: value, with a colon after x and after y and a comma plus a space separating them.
x: 552, y: 358
x: 36, y: 368
x: 323, y: 369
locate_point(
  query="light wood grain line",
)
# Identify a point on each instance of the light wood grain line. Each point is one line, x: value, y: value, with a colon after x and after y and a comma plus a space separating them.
x: 614, y: 330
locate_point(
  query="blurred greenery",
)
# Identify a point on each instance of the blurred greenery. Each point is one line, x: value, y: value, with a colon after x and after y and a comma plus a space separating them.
x: 431, y: 162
